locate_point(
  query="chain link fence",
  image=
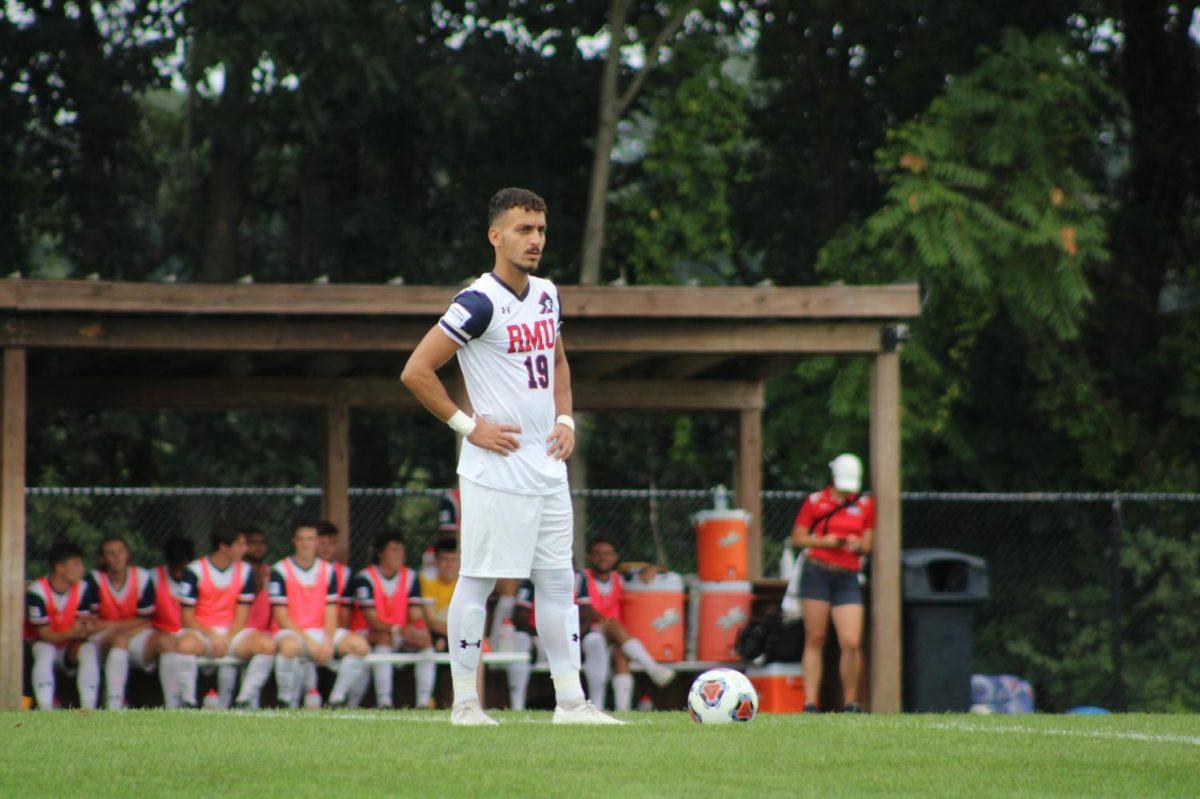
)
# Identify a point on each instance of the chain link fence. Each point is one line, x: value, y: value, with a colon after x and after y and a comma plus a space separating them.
x: 1095, y: 598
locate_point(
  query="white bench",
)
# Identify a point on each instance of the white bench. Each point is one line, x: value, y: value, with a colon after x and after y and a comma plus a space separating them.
x: 395, y: 658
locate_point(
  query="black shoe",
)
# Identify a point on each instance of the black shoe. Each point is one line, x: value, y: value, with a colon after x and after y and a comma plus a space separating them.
x: 852, y: 707
x: 188, y: 706
x: 337, y: 705
x: 243, y: 706
x: 809, y: 707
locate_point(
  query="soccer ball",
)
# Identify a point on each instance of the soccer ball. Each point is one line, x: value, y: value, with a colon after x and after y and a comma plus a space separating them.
x: 722, y: 696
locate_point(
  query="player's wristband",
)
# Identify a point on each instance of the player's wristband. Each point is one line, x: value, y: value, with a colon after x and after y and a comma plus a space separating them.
x: 564, y: 419
x: 461, y: 423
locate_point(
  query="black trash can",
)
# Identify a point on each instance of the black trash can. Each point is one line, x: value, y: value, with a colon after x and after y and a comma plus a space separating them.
x: 941, y: 589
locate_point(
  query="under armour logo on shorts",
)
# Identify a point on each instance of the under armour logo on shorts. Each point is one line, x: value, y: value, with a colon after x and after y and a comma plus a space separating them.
x: 463, y: 643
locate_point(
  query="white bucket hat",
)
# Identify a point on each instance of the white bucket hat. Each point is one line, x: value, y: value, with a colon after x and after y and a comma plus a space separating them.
x: 847, y: 472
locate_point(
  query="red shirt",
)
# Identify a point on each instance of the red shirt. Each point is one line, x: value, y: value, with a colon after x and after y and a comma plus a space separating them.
x: 847, y: 522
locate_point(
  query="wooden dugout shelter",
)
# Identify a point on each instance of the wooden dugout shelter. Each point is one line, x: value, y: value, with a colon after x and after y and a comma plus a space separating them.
x: 331, y: 348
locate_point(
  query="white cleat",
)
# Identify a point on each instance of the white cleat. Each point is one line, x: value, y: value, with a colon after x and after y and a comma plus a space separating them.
x: 661, y: 675
x: 470, y: 714
x: 585, y: 713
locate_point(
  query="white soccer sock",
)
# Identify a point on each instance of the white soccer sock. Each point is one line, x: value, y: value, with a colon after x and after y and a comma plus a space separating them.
x: 424, y: 675
x: 622, y: 692
x: 168, y: 678
x: 354, y: 697
x: 350, y: 669
x: 518, y: 673
x: 255, y: 678
x: 558, y: 629
x: 226, y: 683
x: 636, y: 651
x: 307, y: 681
x: 287, y: 675
x: 595, y: 666
x: 500, y: 614
x: 43, y: 674
x: 116, y: 673
x: 383, y: 674
x: 89, y: 675
x: 464, y: 628
x: 187, y: 668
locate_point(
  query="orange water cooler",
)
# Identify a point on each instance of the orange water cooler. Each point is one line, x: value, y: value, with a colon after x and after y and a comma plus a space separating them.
x: 653, y: 614
x: 722, y: 551
x: 724, y: 611
x: 780, y: 687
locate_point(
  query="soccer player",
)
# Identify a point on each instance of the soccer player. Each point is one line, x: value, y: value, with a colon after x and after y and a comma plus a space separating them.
x: 516, y: 508
x: 600, y: 591
x: 390, y: 612
x: 215, y: 598
x: 57, y: 622
x: 123, y: 603
x: 305, y: 600
x: 438, y: 590
x: 168, y: 617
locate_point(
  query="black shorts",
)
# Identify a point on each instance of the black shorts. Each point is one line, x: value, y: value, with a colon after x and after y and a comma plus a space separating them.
x: 834, y: 586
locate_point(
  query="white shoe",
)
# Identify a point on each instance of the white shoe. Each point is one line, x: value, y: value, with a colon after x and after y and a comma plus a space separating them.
x: 470, y: 714
x: 585, y: 713
x: 662, y: 675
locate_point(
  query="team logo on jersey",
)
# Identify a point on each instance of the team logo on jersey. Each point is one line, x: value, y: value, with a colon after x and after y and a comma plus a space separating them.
x: 546, y: 303
x: 524, y: 338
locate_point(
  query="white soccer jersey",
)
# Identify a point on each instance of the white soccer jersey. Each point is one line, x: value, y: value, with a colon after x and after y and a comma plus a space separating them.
x: 506, y: 353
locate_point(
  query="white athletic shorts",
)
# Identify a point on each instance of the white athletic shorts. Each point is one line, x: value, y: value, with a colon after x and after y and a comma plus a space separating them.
x: 317, y: 634
x: 503, y: 534
x: 233, y: 642
x: 137, y: 649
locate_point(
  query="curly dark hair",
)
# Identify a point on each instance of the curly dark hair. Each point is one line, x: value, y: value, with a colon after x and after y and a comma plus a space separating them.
x: 514, y: 198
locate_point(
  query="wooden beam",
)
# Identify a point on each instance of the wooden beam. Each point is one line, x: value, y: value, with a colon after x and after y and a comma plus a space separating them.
x: 639, y: 302
x: 748, y: 482
x: 299, y: 393
x: 365, y: 334
x: 335, y: 475
x: 12, y: 525
x: 885, y: 629
x: 594, y: 367
x: 675, y: 337
x: 685, y: 366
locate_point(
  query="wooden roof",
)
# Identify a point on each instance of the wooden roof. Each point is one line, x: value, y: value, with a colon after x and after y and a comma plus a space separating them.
x: 285, y: 345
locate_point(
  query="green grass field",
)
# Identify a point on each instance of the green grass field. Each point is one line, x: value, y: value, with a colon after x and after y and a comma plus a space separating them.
x: 368, y: 753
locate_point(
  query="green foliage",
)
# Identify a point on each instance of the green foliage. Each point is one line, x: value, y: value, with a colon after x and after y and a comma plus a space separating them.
x: 672, y: 218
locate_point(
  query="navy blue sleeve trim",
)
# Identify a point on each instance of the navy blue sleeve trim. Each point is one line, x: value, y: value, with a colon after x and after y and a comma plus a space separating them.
x: 454, y: 334
x: 480, y: 309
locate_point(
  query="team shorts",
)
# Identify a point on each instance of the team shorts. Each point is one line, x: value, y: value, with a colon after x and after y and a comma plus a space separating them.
x: 137, y: 645
x: 233, y: 642
x: 506, y: 535
x: 835, y: 586
x: 318, y: 634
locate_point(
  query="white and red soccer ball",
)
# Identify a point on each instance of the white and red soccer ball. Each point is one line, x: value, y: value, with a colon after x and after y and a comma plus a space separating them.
x: 722, y: 696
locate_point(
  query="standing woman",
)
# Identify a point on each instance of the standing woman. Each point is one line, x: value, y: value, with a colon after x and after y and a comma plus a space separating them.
x: 834, y: 527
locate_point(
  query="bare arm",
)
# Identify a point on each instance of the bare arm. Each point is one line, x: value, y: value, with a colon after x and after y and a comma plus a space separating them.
x: 562, y: 437
x: 420, y: 377
x: 77, y: 632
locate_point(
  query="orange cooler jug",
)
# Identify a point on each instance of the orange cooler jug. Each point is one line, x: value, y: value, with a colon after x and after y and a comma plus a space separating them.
x: 780, y: 687
x: 654, y: 615
x: 721, y: 545
x: 724, y: 611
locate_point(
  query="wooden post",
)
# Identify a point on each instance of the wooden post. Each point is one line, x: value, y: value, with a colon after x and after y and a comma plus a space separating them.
x: 335, y: 477
x: 885, y: 641
x: 748, y: 481
x: 12, y: 525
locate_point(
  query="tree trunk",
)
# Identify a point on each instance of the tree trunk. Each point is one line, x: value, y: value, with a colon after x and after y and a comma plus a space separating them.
x: 227, y: 182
